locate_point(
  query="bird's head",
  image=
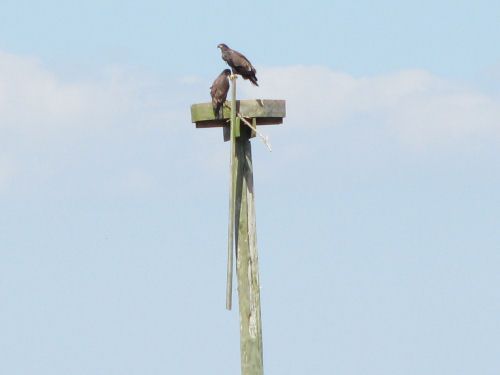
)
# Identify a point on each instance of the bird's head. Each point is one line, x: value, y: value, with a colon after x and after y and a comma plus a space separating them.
x: 226, y: 72
x: 222, y: 46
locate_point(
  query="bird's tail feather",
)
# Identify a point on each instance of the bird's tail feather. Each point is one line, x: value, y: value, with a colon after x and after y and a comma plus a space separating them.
x: 218, y: 111
x: 253, y: 79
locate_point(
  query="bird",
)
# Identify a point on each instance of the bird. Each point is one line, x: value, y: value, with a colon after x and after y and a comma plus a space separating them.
x: 219, y: 90
x: 238, y: 63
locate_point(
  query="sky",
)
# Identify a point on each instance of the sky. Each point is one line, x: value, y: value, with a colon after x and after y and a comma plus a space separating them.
x: 378, y: 210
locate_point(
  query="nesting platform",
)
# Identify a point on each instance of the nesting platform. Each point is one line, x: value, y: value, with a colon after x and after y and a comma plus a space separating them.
x: 264, y: 111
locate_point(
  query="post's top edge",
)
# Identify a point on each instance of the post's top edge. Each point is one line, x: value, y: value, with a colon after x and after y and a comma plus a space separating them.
x: 245, y: 101
x: 258, y: 108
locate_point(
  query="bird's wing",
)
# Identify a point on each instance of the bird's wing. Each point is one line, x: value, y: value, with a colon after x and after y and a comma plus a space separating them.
x: 220, y: 87
x: 240, y: 61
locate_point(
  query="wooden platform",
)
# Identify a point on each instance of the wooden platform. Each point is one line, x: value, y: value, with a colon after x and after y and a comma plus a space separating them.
x: 265, y: 112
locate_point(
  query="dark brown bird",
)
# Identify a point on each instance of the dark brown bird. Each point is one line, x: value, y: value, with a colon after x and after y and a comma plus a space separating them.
x: 218, y: 91
x: 238, y: 63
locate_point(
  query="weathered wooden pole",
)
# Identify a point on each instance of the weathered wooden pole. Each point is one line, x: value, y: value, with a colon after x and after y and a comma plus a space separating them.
x: 247, y: 260
x: 242, y: 215
x: 242, y: 222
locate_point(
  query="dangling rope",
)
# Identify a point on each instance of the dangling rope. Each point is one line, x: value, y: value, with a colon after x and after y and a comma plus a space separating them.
x: 264, y: 138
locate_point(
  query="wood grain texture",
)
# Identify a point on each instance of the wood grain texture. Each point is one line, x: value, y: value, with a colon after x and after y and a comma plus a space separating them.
x: 247, y: 262
x: 266, y: 112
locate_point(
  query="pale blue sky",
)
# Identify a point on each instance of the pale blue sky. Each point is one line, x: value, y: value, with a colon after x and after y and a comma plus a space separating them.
x: 378, y: 211
x: 451, y: 38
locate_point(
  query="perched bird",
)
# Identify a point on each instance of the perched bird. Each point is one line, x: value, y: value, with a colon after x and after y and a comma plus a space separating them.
x: 219, y: 90
x: 238, y: 63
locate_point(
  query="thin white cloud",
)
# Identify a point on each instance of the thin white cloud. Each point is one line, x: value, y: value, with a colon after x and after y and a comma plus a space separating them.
x: 34, y: 100
x: 50, y: 126
x: 415, y: 105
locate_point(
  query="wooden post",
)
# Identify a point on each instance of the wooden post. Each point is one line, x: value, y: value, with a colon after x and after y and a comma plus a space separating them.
x: 247, y: 262
x: 242, y: 215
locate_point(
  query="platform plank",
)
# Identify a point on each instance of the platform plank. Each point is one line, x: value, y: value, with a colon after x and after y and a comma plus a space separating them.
x: 265, y: 112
